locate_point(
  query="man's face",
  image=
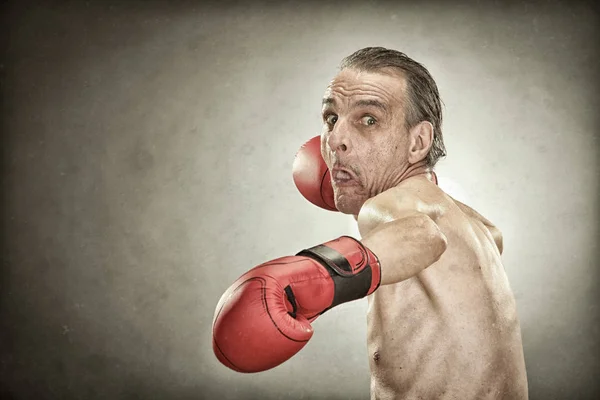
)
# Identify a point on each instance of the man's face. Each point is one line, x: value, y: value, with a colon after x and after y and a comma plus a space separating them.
x: 364, y: 141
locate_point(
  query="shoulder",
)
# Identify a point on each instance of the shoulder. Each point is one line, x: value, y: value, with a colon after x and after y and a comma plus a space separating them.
x: 392, y: 204
x: 402, y: 201
x: 494, y: 231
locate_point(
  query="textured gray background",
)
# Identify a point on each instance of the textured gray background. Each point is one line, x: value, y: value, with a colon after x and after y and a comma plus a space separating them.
x: 147, y: 155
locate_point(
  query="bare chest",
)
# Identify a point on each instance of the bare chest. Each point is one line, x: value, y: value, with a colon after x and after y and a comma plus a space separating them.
x: 438, y: 329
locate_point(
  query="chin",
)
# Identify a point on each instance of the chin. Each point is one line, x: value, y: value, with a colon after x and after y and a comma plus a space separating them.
x: 348, y: 205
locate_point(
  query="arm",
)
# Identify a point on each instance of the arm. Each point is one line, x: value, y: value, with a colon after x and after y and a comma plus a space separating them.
x: 494, y: 231
x: 264, y: 317
x: 405, y: 240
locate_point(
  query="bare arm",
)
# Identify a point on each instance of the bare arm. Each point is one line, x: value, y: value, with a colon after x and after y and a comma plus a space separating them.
x: 494, y: 231
x: 405, y: 240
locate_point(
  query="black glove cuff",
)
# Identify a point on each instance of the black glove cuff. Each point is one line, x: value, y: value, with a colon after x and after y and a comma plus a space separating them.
x: 348, y: 285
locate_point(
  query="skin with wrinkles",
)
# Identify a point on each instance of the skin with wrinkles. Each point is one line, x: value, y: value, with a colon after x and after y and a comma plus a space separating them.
x: 444, y: 324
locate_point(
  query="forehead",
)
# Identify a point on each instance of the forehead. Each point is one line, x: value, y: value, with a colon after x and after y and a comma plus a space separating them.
x: 351, y: 84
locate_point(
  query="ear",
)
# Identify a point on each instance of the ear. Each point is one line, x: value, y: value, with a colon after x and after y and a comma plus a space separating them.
x: 421, y: 139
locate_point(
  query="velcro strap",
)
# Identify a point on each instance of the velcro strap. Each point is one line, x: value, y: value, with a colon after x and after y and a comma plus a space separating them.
x: 331, y: 257
x: 348, y: 285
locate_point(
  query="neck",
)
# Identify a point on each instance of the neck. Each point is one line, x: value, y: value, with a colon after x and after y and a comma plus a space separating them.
x: 419, y: 169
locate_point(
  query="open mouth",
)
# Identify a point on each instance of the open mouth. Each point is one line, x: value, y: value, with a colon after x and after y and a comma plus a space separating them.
x: 343, y: 177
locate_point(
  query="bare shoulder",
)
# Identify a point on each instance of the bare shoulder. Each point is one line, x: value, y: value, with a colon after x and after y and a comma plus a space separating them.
x: 493, y: 229
x: 472, y: 213
x: 406, y: 200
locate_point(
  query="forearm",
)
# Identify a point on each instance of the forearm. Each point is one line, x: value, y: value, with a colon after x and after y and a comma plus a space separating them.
x: 405, y: 246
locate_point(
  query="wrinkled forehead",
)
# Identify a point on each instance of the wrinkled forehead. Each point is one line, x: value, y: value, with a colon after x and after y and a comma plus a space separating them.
x: 383, y: 85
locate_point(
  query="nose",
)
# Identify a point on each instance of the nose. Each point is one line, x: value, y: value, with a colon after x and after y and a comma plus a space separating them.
x: 338, y: 140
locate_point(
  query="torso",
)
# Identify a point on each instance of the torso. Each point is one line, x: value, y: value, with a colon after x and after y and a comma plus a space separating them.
x: 451, y: 331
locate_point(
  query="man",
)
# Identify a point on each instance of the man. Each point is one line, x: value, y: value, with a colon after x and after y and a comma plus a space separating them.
x: 442, y: 321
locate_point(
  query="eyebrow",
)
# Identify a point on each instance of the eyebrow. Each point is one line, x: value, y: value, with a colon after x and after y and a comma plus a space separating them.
x: 328, y: 101
x: 360, y: 103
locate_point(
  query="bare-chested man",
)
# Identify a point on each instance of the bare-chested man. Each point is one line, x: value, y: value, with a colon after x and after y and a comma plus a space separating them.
x: 442, y: 321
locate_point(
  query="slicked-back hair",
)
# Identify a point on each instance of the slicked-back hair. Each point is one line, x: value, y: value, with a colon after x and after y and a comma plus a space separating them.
x: 424, y: 103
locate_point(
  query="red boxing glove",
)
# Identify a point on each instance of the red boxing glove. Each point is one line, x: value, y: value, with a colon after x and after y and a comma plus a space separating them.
x: 311, y: 175
x: 262, y: 320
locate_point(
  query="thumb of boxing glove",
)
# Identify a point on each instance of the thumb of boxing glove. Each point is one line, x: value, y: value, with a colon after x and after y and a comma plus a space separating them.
x: 255, y: 327
x: 311, y: 175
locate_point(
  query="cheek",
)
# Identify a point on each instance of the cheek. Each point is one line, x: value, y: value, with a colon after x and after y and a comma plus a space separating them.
x: 371, y: 164
x: 396, y: 149
x: 324, y: 148
x: 382, y: 162
x: 382, y: 155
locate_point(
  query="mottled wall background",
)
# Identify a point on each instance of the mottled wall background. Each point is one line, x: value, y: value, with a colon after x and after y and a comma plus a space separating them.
x: 147, y: 154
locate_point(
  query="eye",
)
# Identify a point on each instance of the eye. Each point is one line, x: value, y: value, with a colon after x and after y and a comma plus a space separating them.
x: 368, y: 120
x: 331, y: 119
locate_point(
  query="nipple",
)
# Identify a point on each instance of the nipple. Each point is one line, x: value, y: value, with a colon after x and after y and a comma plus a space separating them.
x: 376, y: 357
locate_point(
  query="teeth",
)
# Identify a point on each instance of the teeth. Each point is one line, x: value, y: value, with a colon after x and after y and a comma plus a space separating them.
x: 342, y: 175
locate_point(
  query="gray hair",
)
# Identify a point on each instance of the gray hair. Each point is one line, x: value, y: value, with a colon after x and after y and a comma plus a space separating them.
x: 424, y: 103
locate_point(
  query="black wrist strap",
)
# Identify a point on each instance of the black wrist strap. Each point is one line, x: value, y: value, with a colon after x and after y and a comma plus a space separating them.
x: 348, y: 285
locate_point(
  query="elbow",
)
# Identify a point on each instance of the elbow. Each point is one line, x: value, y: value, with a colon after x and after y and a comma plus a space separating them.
x: 406, y: 246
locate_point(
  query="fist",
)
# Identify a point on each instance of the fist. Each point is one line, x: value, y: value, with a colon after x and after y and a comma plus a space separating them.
x: 260, y: 322
x: 311, y: 175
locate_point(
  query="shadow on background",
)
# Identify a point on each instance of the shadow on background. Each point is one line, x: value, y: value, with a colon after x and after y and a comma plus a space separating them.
x: 105, y: 281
